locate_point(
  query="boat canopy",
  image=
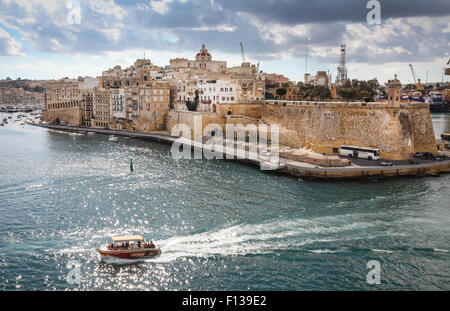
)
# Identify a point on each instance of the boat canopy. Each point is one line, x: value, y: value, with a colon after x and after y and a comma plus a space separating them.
x: 131, y: 238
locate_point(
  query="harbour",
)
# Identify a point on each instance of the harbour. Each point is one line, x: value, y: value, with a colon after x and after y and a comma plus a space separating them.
x: 218, y: 223
x: 289, y: 167
x: 225, y: 155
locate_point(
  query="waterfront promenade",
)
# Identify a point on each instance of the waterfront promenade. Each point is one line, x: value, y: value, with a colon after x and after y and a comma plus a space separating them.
x: 286, y: 166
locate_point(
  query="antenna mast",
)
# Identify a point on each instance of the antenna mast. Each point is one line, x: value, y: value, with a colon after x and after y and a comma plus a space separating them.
x: 242, y: 51
x: 342, y: 69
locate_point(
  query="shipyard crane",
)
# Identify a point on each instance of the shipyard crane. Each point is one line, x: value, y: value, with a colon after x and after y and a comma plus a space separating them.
x: 447, y: 70
x: 242, y: 51
x: 417, y: 82
x: 413, y: 74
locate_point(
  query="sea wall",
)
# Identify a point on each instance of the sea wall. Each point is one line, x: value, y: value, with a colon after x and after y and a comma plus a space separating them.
x: 189, y: 118
x: 150, y: 121
x: 72, y: 116
x: 322, y: 127
x: 398, y: 132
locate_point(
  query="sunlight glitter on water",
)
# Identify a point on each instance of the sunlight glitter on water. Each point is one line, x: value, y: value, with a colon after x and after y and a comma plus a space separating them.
x: 220, y: 224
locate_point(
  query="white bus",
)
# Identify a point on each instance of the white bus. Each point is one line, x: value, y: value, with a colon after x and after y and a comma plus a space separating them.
x: 360, y: 152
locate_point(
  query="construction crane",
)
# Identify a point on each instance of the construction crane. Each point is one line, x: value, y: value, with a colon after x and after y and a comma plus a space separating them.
x: 242, y: 51
x: 417, y: 82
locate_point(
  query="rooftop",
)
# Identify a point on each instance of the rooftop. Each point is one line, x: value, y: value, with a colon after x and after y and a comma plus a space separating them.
x: 131, y: 238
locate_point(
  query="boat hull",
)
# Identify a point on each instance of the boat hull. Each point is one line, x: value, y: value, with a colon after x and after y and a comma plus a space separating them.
x: 130, y: 254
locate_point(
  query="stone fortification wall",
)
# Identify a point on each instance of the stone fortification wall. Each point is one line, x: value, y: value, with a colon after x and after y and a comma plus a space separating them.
x: 397, y: 131
x: 322, y: 127
x: 72, y: 116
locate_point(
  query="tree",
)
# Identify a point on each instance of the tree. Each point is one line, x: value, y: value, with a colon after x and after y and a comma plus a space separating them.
x: 281, y: 91
x: 192, y: 106
x: 321, y: 92
x: 348, y: 93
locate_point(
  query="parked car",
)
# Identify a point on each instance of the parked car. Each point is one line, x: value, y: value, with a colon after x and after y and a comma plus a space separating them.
x: 428, y: 155
x: 419, y: 155
x: 386, y: 163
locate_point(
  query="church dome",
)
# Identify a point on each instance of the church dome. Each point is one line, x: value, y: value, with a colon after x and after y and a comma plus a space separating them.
x: 203, y: 53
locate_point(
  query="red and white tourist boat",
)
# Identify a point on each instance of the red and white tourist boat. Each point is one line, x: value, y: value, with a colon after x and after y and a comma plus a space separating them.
x: 129, y: 247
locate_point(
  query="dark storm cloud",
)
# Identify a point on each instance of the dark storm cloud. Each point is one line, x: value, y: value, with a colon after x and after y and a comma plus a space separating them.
x: 267, y: 27
x: 327, y: 11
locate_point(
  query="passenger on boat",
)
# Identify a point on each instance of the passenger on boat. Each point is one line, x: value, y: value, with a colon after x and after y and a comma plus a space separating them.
x: 151, y: 245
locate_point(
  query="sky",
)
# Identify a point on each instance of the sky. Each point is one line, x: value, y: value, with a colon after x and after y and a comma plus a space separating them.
x: 50, y: 39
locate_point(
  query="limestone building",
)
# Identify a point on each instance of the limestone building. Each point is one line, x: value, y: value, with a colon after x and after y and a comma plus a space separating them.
x: 102, y: 111
x: 70, y: 101
x: 203, y: 61
x: 153, y: 107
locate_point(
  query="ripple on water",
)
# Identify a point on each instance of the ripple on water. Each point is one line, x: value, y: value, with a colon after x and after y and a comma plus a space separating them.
x: 220, y: 224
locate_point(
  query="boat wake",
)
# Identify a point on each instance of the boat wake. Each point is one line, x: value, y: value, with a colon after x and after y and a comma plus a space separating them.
x: 266, y: 238
x: 317, y: 236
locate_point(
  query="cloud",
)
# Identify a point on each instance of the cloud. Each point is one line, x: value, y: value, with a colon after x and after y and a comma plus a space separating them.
x: 291, y: 12
x: 160, y: 7
x: 411, y: 30
x: 402, y: 39
x: 8, y: 45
